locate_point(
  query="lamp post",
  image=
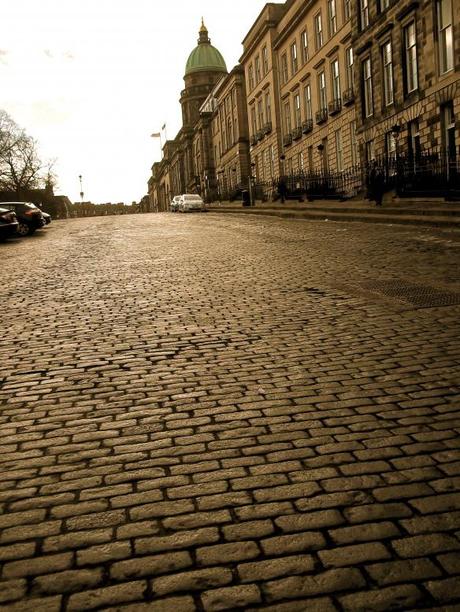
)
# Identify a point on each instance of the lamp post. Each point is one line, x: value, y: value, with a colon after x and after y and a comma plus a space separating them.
x: 81, y: 187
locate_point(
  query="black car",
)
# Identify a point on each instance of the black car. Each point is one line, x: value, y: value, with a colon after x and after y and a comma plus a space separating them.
x: 8, y: 223
x: 29, y: 216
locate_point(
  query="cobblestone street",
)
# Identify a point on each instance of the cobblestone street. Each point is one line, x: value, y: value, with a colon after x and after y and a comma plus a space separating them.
x: 221, y: 412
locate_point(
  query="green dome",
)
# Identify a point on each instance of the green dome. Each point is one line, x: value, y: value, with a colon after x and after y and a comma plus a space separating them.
x: 204, y: 56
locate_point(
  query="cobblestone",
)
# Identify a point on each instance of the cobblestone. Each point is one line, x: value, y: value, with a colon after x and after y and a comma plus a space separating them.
x: 205, y: 412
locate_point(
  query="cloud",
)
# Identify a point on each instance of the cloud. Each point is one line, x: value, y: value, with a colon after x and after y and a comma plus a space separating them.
x: 3, y: 54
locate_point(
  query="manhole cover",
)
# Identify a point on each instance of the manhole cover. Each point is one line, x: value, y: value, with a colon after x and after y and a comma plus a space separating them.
x: 421, y: 296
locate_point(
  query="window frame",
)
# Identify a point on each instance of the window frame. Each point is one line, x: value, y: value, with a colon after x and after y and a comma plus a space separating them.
x: 387, y: 73
x: 335, y: 79
x: 322, y: 91
x: 445, y: 59
x: 304, y: 46
x: 332, y: 17
x: 284, y: 68
x: 308, y: 105
x: 293, y: 54
x: 368, y: 98
x: 410, y: 58
x: 319, y: 36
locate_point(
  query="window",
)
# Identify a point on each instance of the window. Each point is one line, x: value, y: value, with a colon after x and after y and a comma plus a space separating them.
x: 294, y: 61
x: 300, y: 166
x: 390, y: 145
x: 257, y: 68
x: 370, y: 151
x: 387, y: 62
x: 307, y: 102
x: 284, y: 69
x: 318, y: 31
x: 264, y: 60
x: 332, y: 17
x: 297, y: 116
x: 287, y: 118
x: 268, y: 109
x: 346, y: 10
x: 253, y: 121
x: 445, y: 35
x: 349, y: 66
x: 272, y: 160
x: 335, y: 80
x: 368, y: 107
x: 383, y: 5
x: 354, y: 143
x: 304, y: 46
x: 310, y: 158
x: 410, y: 57
x: 250, y: 77
x: 413, y: 138
x: 260, y: 113
x: 322, y: 95
x: 338, y: 150
x: 448, y: 129
x: 363, y: 13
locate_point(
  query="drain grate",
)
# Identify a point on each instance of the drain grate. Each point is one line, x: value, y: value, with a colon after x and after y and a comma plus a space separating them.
x: 421, y: 296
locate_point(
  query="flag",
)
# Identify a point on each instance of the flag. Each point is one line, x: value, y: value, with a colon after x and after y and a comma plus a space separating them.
x: 163, y: 126
x: 155, y: 135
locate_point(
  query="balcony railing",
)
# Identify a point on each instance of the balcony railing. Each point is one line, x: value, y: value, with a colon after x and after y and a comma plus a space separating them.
x: 307, y: 126
x: 259, y: 135
x: 267, y: 127
x: 348, y: 97
x: 253, y: 139
x: 296, y: 133
x: 321, y: 116
x: 335, y: 106
x: 287, y: 140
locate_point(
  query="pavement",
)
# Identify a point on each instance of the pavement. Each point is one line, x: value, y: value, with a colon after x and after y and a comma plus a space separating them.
x: 227, y: 412
x: 432, y: 212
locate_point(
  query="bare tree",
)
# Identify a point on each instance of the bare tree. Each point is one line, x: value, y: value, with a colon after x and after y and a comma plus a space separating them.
x: 21, y: 168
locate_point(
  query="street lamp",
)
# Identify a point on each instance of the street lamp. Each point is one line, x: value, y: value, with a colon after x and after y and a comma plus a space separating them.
x: 81, y: 187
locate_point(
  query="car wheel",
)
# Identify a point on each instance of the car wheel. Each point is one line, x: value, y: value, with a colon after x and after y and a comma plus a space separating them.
x: 23, y: 229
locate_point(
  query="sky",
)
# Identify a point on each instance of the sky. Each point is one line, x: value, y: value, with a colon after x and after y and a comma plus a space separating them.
x: 90, y: 80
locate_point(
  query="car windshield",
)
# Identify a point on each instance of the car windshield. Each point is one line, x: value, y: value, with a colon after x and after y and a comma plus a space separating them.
x: 191, y: 197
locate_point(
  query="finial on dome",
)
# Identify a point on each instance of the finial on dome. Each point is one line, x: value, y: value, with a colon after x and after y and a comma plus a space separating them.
x: 203, y: 34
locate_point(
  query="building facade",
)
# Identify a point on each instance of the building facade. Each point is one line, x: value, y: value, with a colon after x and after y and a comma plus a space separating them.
x: 408, y: 79
x: 229, y: 133
x: 325, y: 91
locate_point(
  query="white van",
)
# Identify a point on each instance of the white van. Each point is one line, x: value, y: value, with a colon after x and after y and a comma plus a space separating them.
x: 189, y: 202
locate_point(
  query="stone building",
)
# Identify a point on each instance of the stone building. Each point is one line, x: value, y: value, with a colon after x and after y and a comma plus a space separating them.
x: 315, y: 66
x: 229, y: 132
x: 262, y: 87
x: 408, y: 76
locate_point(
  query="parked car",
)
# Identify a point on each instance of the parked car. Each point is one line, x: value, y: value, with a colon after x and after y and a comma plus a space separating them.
x: 8, y: 223
x: 29, y: 216
x: 174, y: 206
x: 46, y: 218
x: 189, y: 202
